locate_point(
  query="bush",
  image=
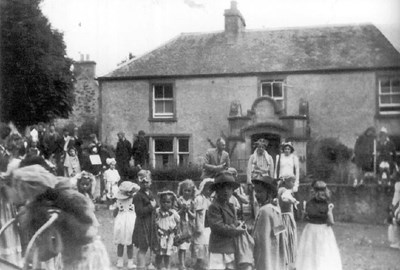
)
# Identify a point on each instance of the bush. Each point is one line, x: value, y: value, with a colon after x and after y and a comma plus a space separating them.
x: 328, y: 160
x: 177, y: 173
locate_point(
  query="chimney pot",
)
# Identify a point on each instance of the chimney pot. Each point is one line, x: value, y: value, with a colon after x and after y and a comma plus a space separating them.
x: 233, y: 5
x: 87, y: 57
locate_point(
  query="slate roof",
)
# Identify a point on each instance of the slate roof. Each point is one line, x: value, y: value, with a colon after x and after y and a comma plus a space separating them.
x: 266, y: 51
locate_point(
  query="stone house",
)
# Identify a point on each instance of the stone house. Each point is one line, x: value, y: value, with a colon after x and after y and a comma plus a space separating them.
x: 279, y: 84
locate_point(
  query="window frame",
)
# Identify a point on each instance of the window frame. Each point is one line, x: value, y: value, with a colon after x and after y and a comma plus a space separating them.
x: 391, y: 78
x: 175, y: 147
x: 281, y: 102
x: 272, y: 81
x: 161, y: 117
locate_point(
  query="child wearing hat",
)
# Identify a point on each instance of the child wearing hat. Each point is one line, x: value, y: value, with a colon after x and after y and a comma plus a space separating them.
x: 317, y: 247
x: 269, y: 233
x: 124, y: 222
x: 223, y: 223
x: 111, y: 178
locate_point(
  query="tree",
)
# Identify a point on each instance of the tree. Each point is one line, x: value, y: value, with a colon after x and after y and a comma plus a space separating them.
x: 36, y: 76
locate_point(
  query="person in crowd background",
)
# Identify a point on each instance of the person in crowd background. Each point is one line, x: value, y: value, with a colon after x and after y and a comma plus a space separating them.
x: 167, y: 222
x: 394, y: 215
x: 111, y: 179
x: 287, y: 164
x: 317, y: 247
x: 124, y: 222
x: 201, y: 235
x: 72, y: 165
x: 77, y: 142
x: 185, y: 207
x: 286, y: 203
x: 144, y: 234
x: 260, y: 162
x: 223, y: 223
x: 140, y: 151
x: 216, y: 160
x: 269, y: 233
x: 123, y: 154
x: 364, y: 153
x: 386, y: 155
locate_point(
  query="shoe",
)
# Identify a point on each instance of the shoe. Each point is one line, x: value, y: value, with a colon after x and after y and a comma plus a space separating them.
x: 120, y: 262
x: 131, y: 265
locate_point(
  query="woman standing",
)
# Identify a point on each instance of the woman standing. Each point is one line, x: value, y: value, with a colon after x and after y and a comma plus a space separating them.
x: 287, y: 164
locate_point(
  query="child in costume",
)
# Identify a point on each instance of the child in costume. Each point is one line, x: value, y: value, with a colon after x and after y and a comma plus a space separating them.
x: 125, y: 222
x: 167, y: 221
x: 201, y: 236
x: 111, y: 178
x: 185, y: 208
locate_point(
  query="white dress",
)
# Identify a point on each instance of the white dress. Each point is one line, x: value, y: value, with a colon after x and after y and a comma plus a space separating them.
x: 124, y: 222
x: 111, y: 178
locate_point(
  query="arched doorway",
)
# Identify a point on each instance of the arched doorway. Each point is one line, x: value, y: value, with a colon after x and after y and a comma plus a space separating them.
x: 274, y: 141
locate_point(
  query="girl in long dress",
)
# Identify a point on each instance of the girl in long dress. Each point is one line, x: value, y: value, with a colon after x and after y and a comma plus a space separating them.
x: 286, y: 203
x: 125, y: 222
x: 318, y: 248
x: 287, y: 164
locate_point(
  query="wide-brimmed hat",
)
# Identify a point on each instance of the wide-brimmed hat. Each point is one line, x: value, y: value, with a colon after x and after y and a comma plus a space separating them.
x: 383, y: 130
x: 224, y: 178
x: 263, y: 179
x: 125, y: 188
x: 287, y: 144
x: 261, y: 142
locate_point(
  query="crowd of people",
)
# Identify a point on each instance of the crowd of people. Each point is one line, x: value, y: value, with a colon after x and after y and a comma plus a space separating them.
x: 208, y: 220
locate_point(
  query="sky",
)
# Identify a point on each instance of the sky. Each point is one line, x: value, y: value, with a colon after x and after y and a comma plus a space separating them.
x: 108, y: 30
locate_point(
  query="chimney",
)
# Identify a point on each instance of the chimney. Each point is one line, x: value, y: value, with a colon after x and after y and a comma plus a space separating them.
x: 234, y: 21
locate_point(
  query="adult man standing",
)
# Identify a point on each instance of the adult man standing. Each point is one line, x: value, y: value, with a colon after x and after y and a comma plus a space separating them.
x: 216, y: 160
x: 386, y: 155
x: 140, y: 149
x: 123, y: 155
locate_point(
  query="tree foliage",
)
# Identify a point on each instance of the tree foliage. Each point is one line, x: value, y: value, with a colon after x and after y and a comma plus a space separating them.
x: 37, y: 81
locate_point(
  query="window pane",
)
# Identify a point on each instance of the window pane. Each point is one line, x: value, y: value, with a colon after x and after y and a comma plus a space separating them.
x: 277, y: 90
x: 183, y: 159
x: 164, y: 160
x: 168, y: 91
x: 168, y: 106
x: 266, y: 89
x: 385, y: 86
x: 158, y: 91
x: 396, y: 86
x: 159, y: 106
x: 183, y: 145
x: 396, y: 99
x: 163, y: 145
x: 385, y: 99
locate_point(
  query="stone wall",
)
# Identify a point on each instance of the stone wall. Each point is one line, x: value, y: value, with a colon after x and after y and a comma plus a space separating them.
x: 86, y: 91
x: 365, y: 204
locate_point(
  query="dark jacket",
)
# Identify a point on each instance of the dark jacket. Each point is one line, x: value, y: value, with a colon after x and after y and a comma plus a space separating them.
x: 144, y: 233
x: 123, y: 150
x: 223, y: 222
